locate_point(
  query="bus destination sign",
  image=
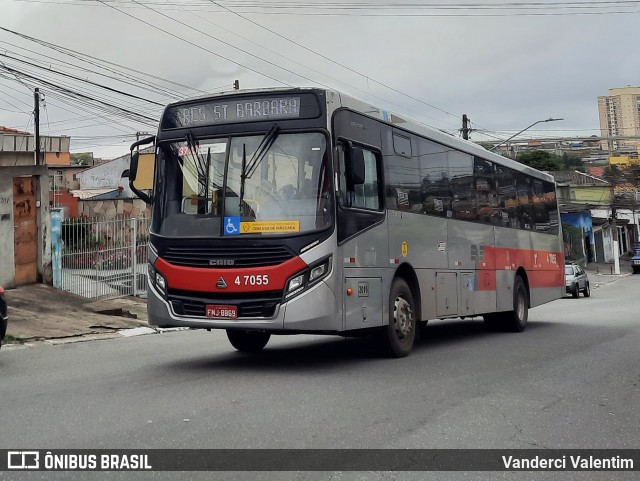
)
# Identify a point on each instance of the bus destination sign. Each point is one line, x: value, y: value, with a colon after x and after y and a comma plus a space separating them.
x: 244, y: 109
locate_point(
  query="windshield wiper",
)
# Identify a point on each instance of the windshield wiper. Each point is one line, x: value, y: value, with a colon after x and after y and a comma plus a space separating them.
x: 248, y: 170
x: 243, y: 176
x: 264, y: 146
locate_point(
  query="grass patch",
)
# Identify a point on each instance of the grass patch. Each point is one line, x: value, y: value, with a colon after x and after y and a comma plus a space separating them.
x: 12, y: 340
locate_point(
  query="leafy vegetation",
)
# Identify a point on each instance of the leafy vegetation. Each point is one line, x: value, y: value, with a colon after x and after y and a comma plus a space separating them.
x: 541, y: 160
x: 82, y: 158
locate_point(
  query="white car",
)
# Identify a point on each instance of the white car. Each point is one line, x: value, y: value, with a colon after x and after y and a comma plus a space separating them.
x: 576, y: 280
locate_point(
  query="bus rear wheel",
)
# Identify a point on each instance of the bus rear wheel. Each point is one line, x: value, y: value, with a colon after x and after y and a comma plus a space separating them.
x: 398, y: 336
x: 248, y: 341
x: 516, y: 319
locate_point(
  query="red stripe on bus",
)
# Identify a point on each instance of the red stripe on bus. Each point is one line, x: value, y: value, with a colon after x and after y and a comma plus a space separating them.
x: 543, y: 268
x: 243, y: 279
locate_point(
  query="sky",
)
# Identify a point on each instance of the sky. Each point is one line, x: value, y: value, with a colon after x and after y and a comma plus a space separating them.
x: 504, y: 63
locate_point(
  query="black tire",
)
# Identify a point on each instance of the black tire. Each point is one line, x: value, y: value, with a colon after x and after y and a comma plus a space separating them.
x: 516, y: 320
x: 3, y: 319
x: 587, y: 291
x: 248, y: 341
x: 493, y: 322
x: 576, y: 292
x: 421, y: 331
x: 398, y: 336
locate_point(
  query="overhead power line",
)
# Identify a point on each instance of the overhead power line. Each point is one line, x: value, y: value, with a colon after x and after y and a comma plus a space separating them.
x: 143, y: 118
x: 95, y: 84
x: 412, y: 9
x: 113, y: 67
x: 191, y: 43
x: 350, y: 69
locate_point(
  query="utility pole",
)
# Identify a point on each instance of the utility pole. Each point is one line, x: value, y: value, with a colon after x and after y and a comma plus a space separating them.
x: 616, y: 249
x: 36, y: 121
x: 465, y: 127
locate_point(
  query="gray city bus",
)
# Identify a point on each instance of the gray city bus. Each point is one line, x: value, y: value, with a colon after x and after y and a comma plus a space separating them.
x: 307, y: 211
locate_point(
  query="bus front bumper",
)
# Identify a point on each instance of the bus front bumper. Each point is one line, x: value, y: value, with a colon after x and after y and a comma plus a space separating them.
x: 295, y: 315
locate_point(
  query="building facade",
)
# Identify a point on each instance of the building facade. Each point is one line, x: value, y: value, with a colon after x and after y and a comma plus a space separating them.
x: 17, y: 149
x: 25, y: 226
x: 619, y: 114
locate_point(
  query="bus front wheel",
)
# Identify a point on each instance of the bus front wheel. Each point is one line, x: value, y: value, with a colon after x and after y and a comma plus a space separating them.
x: 398, y: 336
x: 248, y: 341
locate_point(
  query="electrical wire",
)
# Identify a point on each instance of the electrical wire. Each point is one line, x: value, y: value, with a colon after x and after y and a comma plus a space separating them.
x: 350, y: 69
x: 112, y: 67
x: 192, y: 43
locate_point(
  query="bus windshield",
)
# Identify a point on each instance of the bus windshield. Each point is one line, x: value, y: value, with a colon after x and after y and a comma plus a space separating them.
x: 250, y: 185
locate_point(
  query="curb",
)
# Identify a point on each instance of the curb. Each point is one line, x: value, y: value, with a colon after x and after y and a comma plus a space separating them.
x: 133, y: 332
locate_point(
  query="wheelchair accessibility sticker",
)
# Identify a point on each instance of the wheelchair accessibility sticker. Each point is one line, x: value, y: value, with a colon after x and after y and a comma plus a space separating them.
x: 232, y: 225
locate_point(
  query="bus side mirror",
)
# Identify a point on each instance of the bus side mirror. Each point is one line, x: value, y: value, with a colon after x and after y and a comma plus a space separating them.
x: 141, y: 171
x: 356, y: 165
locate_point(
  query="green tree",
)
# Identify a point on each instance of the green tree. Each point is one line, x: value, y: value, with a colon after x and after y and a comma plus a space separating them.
x: 82, y: 158
x: 571, y: 162
x: 540, y: 160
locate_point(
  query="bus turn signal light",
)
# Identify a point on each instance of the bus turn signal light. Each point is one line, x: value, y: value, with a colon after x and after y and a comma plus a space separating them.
x: 349, y: 291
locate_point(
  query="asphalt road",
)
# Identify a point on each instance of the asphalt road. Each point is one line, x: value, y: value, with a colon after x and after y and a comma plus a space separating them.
x: 572, y: 380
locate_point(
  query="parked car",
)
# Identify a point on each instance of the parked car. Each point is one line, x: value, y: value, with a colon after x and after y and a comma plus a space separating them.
x: 576, y: 280
x: 635, y: 260
x: 3, y: 316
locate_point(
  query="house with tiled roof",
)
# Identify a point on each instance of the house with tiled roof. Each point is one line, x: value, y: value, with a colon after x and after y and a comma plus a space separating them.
x: 586, y: 211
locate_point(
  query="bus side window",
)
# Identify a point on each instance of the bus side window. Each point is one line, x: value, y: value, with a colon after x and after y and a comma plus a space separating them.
x: 435, y: 188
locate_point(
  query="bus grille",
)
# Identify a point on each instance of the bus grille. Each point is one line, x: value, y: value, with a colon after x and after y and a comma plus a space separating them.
x: 242, y: 256
x: 193, y: 304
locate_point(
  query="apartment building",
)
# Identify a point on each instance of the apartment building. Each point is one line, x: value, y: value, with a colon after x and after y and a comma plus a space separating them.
x: 619, y: 114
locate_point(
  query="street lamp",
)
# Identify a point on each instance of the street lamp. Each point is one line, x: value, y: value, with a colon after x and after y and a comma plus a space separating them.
x: 526, y: 128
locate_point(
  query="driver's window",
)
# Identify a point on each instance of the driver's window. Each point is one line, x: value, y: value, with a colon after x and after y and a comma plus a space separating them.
x: 365, y: 195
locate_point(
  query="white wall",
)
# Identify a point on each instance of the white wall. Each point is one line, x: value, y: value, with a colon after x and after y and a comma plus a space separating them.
x: 106, y: 175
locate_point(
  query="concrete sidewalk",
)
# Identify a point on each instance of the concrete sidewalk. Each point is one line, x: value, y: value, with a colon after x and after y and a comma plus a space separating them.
x: 39, y: 312
x: 601, y: 273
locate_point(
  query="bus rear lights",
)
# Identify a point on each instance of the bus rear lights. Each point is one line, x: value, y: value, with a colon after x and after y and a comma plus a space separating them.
x: 349, y: 291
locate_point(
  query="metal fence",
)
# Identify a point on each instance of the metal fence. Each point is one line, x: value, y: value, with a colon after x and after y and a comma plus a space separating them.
x: 101, y: 259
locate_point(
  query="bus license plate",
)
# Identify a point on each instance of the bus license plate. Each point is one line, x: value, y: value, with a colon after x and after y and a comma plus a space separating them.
x: 221, y: 311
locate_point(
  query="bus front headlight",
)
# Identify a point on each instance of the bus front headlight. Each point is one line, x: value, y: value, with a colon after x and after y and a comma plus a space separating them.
x: 307, y: 278
x: 161, y: 284
x: 295, y: 283
x: 318, y: 272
